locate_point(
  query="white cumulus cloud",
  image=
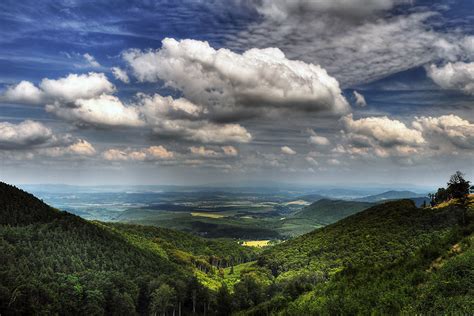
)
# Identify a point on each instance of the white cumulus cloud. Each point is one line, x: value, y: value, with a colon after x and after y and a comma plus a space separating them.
x: 447, y: 128
x: 318, y: 140
x: 80, y: 148
x: 287, y: 150
x: 222, y: 79
x: 453, y: 76
x: 30, y: 137
x: 91, y: 60
x: 203, y: 151
x: 213, y: 133
x: 359, y: 99
x: 64, y: 90
x: 83, y: 148
x: 152, y: 153
x: 23, y: 92
x: 73, y: 87
x: 104, y: 110
x: 382, y: 131
x: 88, y: 100
x: 120, y: 74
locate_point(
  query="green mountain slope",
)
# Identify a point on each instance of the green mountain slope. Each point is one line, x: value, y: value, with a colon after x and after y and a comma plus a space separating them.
x: 449, y: 286
x: 327, y: 211
x: 381, y: 233
x: 53, y: 262
x: 171, y: 240
x: 376, y: 261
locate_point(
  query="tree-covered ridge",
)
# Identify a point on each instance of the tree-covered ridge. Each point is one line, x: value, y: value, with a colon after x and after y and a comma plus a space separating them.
x: 225, y: 251
x: 449, y: 288
x: 19, y: 207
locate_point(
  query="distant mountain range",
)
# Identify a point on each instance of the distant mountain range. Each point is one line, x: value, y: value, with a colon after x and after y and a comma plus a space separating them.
x: 326, y: 211
x: 419, y: 199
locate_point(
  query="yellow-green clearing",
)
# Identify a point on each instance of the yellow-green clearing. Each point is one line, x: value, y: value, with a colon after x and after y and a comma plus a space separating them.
x: 256, y: 243
x: 205, y: 214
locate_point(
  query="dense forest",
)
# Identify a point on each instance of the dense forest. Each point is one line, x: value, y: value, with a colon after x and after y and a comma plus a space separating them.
x: 53, y: 262
x: 390, y: 258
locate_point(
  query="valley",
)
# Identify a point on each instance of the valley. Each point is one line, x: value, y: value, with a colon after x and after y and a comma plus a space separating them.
x: 236, y: 158
x: 239, y: 213
x: 385, y: 257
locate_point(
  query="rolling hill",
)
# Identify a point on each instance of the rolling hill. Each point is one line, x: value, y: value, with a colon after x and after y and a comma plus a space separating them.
x: 311, y: 197
x: 327, y: 211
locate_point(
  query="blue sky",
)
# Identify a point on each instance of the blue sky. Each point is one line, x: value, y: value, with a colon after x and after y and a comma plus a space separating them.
x: 302, y: 91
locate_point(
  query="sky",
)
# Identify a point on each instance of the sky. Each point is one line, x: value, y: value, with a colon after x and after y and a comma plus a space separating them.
x: 236, y: 92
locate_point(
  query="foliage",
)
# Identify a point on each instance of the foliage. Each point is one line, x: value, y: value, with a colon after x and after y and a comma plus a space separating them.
x: 161, y: 299
x: 217, y: 252
x: 22, y: 208
x: 56, y: 263
x: 457, y: 188
x: 374, y: 262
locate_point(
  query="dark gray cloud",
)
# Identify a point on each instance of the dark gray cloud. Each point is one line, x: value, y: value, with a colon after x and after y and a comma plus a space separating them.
x: 355, y: 41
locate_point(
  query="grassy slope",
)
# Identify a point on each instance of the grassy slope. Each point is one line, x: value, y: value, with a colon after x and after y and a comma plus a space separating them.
x: 449, y: 288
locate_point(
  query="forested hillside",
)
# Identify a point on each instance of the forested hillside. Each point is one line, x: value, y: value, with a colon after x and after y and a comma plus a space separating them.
x: 53, y: 262
x: 381, y: 260
x: 21, y: 208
